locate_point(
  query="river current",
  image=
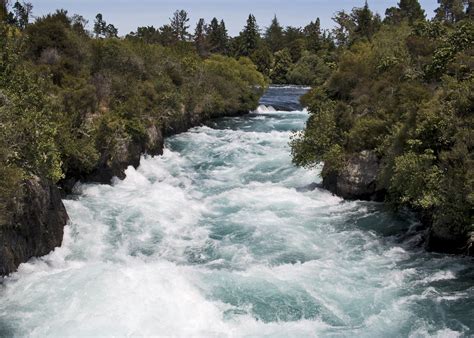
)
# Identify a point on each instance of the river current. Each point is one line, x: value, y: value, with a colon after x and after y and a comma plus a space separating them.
x: 223, y: 236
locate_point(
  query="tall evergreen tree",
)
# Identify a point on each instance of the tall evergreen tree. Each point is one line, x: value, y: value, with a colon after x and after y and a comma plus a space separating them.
x: 200, y: 38
x: 313, y: 35
x: 250, y: 36
x: 292, y: 34
x: 223, y: 38
x: 366, y: 22
x: 179, y: 25
x: 411, y: 9
x: 274, y: 35
x: 217, y: 36
x: 407, y: 10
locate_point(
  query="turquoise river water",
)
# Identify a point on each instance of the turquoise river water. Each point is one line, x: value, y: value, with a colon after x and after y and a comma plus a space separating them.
x: 223, y: 236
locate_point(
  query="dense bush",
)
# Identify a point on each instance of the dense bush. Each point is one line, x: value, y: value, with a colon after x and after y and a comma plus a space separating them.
x: 67, y: 99
x: 406, y: 94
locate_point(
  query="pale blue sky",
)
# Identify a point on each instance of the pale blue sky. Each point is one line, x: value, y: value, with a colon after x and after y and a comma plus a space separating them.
x: 127, y: 15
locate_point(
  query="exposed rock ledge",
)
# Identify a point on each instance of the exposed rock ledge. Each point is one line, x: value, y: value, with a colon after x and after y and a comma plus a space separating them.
x: 38, y: 214
x: 36, y: 224
x: 357, y: 179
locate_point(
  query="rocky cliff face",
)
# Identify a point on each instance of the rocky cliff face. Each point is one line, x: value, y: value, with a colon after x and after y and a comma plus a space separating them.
x: 127, y: 151
x: 38, y: 215
x: 35, y: 226
x: 442, y: 238
x: 357, y: 179
x: 114, y: 162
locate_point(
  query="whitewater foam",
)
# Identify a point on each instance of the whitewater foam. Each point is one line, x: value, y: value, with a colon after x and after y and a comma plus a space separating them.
x: 218, y: 237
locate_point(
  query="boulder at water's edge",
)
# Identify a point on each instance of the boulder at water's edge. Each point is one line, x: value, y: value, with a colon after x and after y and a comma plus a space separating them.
x: 34, y: 226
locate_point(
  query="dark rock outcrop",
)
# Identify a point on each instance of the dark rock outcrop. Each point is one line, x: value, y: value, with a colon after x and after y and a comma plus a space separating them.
x: 442, y: 238
x: 35, y: 224
x: 126, y: 152
x: 470, y: 244
x: 114, y: 162
x: 357, y: 179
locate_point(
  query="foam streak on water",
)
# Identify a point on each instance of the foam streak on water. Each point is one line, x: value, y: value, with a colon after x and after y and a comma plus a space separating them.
x: 223, y: 236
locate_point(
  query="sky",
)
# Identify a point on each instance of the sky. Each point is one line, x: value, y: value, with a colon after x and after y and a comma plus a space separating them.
x: 127, y: 15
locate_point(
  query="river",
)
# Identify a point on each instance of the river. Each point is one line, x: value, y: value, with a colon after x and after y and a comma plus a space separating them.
x: 223, y: 236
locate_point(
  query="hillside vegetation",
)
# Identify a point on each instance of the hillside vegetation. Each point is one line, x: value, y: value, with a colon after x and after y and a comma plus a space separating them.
x: 71, y: 100
x: 403, y: 88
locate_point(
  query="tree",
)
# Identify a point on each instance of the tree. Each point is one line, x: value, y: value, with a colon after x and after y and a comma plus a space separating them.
x: 281, y: 67
x: 296, y: 49
x: 79, y: 24
x: 313, y: 35
x: 213, y: 34
x: 167, y: 35
x: 292, y: 34
x: 274, y: 35
x: 200, y: 39
x: 366, y: 22
x: 411, y: 10
x: 217, y: 36
x: 102, y: 29
x: 250, y: 36
x: 450, y: 11
x: 470, y: 9
x: 3, y: 11
x: 99, y: 25
x: 223, y: 38
x: 148, y: 34
x: 179, y: 25
x: 344, y: 29
x: 263, y: 59
x: 22, y: 13
x: 110, y: 31
x: 407, y: 10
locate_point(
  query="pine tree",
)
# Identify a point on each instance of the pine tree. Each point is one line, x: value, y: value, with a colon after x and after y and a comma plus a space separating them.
x: 313, y: 35
x: 217, y: 35
x: 407, y: 10
x: 223, y: 38
x: 200, y: 38
x: 411, y: 9
x: 250, y: 36
x: 179, y: 25
x: 274, y: 35
x: 366, y: 22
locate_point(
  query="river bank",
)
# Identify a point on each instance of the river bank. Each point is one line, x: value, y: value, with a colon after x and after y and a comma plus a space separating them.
x: 222, y: 235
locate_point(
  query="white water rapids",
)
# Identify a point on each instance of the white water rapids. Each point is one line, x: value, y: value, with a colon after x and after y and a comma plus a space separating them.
x: 223, y: 236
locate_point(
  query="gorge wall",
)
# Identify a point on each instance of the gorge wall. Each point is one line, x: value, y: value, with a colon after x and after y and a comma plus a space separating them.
x: 358, y: 180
